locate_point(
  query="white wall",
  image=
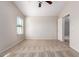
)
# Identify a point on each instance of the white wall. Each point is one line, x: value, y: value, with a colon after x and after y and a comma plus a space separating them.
x: 8, y: 14
x: 41, y: 27
x: 72, y: 9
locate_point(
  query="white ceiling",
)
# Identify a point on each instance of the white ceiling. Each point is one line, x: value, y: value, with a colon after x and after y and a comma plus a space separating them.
x: 30, y: 8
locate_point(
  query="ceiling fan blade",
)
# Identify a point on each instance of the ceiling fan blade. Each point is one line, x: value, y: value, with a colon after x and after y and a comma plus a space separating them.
x: 39, y: 4
x: 49, y: 2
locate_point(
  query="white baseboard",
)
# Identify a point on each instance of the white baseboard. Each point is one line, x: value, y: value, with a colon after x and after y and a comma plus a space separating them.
x: 74, y: 48
x: 12, y: 45
x: 41, y: 38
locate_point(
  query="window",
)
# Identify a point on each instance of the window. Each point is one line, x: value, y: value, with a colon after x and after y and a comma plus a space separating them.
x: 19, y: 25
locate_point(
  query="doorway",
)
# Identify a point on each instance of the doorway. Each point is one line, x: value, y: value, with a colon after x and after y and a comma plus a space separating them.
x: 66, y: 29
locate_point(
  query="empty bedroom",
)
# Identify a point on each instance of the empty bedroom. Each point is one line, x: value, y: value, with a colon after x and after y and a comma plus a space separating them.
x: 39, y: 29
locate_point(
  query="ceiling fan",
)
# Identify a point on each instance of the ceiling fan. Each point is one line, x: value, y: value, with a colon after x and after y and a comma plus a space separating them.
x: 40, y: 3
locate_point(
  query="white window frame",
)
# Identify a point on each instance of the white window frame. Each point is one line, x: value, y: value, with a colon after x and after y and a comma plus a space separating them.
x: 19, y: 25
